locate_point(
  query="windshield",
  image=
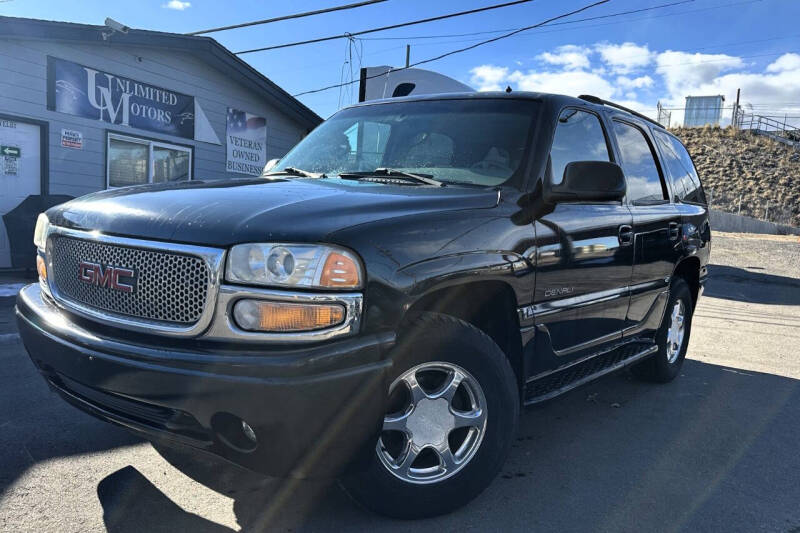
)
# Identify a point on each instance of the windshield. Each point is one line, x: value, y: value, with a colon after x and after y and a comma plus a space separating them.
x: 481, y: 142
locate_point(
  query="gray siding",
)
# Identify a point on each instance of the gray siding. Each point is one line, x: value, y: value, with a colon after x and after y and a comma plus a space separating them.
x: 23, y: 92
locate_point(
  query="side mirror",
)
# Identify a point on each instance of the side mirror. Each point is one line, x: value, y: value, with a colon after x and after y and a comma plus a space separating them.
x: 270, y: 165
x: 588, y: 181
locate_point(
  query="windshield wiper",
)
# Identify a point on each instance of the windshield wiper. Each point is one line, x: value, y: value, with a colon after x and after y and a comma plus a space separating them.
x: 393, y: 173
x: 297, y: 172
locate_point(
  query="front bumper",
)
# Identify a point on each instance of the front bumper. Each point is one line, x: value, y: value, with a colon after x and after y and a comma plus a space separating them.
x: 311, y: 409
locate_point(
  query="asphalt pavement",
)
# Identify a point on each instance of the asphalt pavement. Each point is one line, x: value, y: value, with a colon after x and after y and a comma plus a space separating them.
x: 716, y: 450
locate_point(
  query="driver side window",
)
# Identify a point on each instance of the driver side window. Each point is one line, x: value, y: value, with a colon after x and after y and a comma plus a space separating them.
x: 579, y: 136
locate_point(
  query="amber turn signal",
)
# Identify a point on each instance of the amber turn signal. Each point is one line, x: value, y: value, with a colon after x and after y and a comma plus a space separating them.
x: 41, y: 268
x: 284, y: 317
x: 340, y: 271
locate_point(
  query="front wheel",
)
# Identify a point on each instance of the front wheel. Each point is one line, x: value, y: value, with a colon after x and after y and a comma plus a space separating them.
x: 672, y: 337
x: 453, y: 410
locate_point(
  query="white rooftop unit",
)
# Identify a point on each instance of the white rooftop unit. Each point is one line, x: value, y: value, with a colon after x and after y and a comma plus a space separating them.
x: 702, y: 110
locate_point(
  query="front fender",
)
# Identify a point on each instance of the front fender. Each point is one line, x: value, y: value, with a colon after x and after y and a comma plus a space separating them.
x: 460, y: 269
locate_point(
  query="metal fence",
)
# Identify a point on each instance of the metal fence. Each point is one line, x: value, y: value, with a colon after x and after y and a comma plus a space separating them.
x: 762, y: 209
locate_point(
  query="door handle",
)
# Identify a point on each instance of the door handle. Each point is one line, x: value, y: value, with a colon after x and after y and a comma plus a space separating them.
x: 673, y: 231
x: 625, y: 235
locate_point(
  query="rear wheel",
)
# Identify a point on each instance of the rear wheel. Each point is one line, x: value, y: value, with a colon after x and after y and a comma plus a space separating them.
x: 453, y: 410
x: 672, y: 337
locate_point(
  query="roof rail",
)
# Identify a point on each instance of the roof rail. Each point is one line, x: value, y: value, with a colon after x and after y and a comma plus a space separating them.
x: 600, y: 101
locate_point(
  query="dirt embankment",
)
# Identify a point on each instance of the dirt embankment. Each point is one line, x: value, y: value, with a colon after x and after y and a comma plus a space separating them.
x: 747, y: 174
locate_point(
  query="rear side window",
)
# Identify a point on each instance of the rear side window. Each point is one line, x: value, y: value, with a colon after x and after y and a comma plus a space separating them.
x: 681, y: 169
x: 639, y: 165
x: 579, y: 137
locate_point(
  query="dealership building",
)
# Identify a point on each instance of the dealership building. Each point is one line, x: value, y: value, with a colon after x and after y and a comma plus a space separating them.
x: 85, y: 108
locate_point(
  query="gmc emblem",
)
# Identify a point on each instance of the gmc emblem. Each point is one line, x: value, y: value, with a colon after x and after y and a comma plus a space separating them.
x: 108, y: 277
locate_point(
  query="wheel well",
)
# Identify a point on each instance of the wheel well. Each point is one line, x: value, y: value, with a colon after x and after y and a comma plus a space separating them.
x: 490, y: 306
x: 689, y: 270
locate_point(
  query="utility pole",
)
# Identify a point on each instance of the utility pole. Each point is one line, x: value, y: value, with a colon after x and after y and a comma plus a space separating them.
x: 408, y: 55
x: 736, y: 110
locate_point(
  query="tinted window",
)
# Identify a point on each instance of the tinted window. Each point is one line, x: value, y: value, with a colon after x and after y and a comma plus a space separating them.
x: 481, y: 142
x: 579, y: 137
x: 681, y: 169
x: 639, y: 165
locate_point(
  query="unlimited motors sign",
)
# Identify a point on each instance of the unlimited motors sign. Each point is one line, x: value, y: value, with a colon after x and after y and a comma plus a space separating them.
x: 86, y: 92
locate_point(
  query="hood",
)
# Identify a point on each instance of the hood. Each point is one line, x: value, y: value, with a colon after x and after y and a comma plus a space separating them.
x: 222, y: 213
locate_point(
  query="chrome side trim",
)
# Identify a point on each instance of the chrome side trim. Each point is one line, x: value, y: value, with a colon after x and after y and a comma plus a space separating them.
x: 212, y: 257
x: 224, y: 326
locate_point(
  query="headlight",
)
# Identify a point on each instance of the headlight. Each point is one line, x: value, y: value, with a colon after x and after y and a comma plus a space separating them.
x: 294, y: 265
x: 40, y: 233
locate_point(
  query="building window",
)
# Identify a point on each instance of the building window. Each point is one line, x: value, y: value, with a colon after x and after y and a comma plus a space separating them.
x: 134, y: 161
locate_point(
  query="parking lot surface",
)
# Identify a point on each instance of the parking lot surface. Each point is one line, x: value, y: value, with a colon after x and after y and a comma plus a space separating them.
x: 716, y: 450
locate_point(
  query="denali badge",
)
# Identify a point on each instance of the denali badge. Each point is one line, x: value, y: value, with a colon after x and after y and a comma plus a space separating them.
x: 108, y: 277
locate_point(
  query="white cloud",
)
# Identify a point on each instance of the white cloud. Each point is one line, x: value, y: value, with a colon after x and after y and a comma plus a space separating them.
x: 667, y: 76
x: 571, y: 82
x: 626, y: 57
x: 177, y: 5
x: 488, y: 77
x: 683, y: 71
x: 570, y: 56
x: 641, y: 82
x: 786, y: 62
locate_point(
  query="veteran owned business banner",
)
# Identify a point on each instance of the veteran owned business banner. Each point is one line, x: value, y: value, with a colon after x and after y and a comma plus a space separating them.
x: 87, y: 92
x: 247, y: 142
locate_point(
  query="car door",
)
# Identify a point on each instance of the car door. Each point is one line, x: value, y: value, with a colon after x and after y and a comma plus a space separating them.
x: 584, y: 254
x: 656, y: 226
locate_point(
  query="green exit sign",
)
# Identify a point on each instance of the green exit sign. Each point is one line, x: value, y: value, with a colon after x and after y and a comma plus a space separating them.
x: 10, y: 151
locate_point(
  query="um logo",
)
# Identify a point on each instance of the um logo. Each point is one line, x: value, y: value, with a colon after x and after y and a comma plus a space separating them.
x: 106, y: 103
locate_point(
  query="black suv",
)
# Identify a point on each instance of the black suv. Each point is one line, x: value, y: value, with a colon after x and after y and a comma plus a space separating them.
x: 379, y: 304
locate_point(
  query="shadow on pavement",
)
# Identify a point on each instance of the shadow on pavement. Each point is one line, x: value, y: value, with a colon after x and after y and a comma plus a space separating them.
x: 733, y: 283
x: 37, y: 425
x: 713, y: 451
x: 132, y: 504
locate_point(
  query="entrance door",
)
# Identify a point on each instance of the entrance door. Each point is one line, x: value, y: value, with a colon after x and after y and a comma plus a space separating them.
x: 20, y: 172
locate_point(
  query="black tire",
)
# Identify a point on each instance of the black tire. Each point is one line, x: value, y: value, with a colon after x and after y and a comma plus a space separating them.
x: 442, y: 338
x: 658, y: 368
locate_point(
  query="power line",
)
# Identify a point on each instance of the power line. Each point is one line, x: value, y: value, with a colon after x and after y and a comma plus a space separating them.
x: 384, y: 28
x: 453, y: 52
x: 629, y: 12
x: 288, y: 17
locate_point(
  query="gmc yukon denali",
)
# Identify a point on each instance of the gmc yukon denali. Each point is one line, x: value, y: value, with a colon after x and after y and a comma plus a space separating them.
x: 380, y: 303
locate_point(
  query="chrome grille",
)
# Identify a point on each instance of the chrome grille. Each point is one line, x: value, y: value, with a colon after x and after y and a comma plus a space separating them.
x: 169, y: 287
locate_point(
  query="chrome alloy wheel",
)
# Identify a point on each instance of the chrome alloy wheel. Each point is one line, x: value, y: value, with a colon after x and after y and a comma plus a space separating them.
x: 676, y: 331
x: 435, y: 424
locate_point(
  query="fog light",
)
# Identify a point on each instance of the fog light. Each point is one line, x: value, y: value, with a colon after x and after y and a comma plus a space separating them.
x: 283, y: 317
x: 248, y: 431
x: 41, y: 268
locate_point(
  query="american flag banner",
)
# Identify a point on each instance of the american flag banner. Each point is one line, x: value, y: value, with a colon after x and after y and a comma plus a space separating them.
x: 246, y: 136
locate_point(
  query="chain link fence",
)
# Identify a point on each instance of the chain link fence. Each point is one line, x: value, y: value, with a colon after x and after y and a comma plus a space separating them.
x: 765, y: 209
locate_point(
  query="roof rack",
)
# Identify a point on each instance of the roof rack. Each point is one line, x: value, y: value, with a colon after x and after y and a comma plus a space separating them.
x: 600, y: 101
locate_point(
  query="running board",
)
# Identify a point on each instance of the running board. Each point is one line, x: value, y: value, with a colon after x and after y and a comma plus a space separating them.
x: 559, y: 381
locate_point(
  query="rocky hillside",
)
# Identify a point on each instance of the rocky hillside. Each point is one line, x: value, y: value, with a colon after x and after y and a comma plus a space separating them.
x: 747, y: 174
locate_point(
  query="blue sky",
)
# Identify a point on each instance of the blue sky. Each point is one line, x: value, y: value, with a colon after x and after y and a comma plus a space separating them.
x: 700, y: 47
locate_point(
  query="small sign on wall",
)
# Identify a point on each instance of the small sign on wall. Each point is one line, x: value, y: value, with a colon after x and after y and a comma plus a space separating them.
x: 9, y: 157
x: 10, y: 165
x: 72, y: 139
x: 247, y: 142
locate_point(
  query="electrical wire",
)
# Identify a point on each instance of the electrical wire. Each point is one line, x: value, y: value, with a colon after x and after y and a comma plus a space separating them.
x: 384, y: 28
x: 458, y: 51
x: 629, y: 12
x: 288, y: 17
